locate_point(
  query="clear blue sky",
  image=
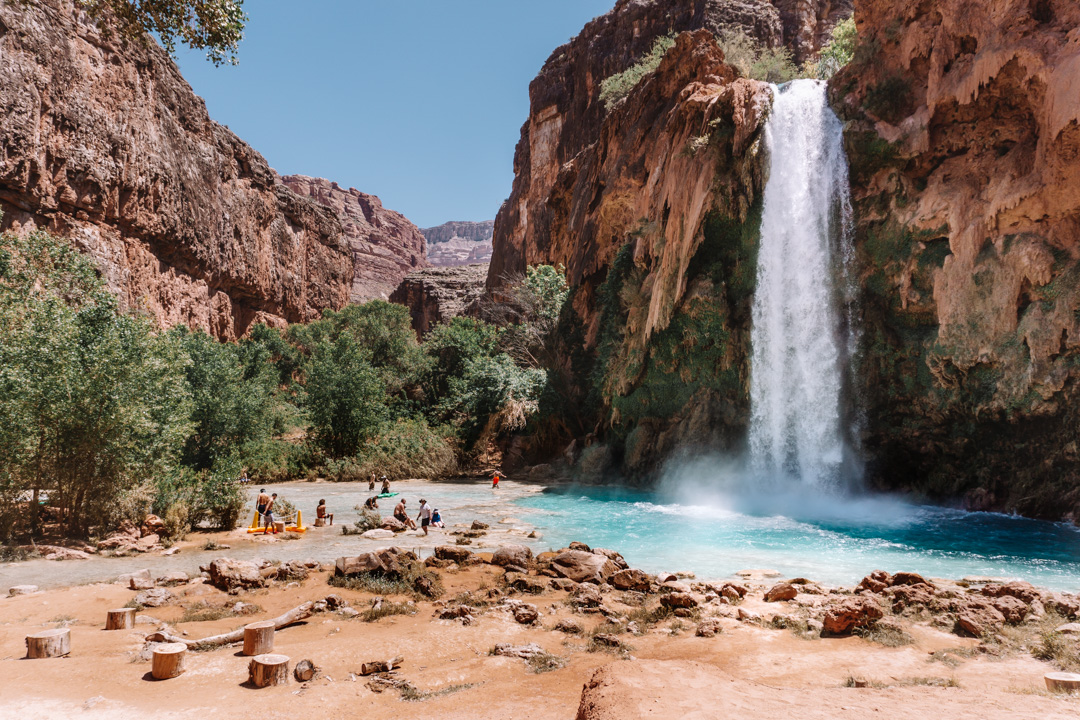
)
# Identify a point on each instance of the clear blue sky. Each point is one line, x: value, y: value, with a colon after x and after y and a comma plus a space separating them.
x: 417, y: 101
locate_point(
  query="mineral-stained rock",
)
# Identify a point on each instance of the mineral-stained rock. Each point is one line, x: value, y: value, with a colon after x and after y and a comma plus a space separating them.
x: 616, y: 558
x: 962, y: 133
x: 435, y: 295
x: 106, y: 144
x: 781, y: 591
x: 385, y: 246
x: 844, y: 616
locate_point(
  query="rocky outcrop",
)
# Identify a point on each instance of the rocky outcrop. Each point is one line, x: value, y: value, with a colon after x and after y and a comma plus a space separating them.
x: 385, y: 245
x: 807, y: 24
x: 963, y: 136
x: 435, y: 295
x: 459, y: 243
x: 104, y: 143
x: 655, y: 223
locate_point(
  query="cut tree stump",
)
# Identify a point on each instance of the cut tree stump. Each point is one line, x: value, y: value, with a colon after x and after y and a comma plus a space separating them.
x: 270, y: 669
x: 48, y: 643
x: 305, y: 670
x: 168, y: 660
x: 279, y: 526
x: 319, y: 522
x: 259, y: 638
x: 380, y: 666
x: 1062, y: 682
x: 120, y: 619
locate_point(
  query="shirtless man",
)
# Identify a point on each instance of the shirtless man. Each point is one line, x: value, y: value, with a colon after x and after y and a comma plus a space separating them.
x: 385, y: 485
x: 260, y: 505
x: 402, y: 515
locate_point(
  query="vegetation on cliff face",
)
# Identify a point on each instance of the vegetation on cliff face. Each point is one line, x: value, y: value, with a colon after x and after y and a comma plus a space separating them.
x: 106, y: 418
x: 619, y: 85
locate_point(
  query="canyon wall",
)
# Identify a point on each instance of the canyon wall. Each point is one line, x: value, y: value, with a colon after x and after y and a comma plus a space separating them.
x: 385, y: 245
x: 435, y: 295
x: 964, y: 142
x: 459, y: 243
x: 104, y: 143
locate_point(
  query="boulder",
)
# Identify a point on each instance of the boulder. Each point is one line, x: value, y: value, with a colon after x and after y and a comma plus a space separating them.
x: 393, y: 524
x: 228, y: 574
x: 517, y: 557
x: 581, y: 566
x: 62, y: 553
x: 674, y: 586
x: 562, y: 584
x: 586, y: 595
x: 378, y: 533
x: 1022, y: 591
x: 978, y: 618
x: 1013, y: 610
x: 579, y: 546
x: 155, y: 597
x: 914, y: 596
x: 176, y: 577
x: 140, y: 580
x: 1066, y: 629
x: 780, y: 592
x: 22, y: 590
x: 1065, y: 605
x: 875, y: 582
x: 731, y: 593
x: 844, y: 616
x: 679, y: 600
x: 526, y: 613
x: 153, y: 525
x: 526, y: 584
x: 477, y: 525
x: 908, y: 578
x: 524, y: 652
x: 453, y: 553
x: 607, y: 640
x: 708, y: 628
x: 569, y: 626
x: 629, y: 579
x: 613, y: 556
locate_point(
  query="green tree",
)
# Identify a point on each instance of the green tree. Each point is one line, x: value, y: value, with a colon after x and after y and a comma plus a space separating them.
x: 839, y: 51
x: 531, y: 315
x: 346, y: 398
x: 451, y: 346
x: 216, y: 26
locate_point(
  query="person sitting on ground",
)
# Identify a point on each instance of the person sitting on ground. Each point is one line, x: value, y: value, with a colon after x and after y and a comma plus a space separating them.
x: 244, y: 479
x: 321, y: 514
x: 268, y: 516
x: 436, y: 519
x: 371, y: 482
x: 385, y: 485
x: 402, y: 516
x: 372, y: 503
x: 425, y: 515
x: 260, y: 505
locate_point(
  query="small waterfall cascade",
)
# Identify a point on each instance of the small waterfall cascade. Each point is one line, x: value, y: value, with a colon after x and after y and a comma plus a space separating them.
x: 801, y: 339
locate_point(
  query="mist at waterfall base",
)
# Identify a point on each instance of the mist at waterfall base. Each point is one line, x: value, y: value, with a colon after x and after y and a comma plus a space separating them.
x: 793, y: 504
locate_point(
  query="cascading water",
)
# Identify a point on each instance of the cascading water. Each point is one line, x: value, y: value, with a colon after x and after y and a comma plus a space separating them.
x: 800, y: 346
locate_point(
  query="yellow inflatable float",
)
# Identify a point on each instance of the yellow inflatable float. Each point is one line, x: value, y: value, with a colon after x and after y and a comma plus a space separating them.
x: 297, y: 528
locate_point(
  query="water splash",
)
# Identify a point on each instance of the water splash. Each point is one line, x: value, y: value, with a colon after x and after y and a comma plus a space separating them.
x: 801, y: 342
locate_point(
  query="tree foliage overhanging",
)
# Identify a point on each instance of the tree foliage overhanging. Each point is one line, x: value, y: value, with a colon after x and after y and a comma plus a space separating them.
x: 104, y: 417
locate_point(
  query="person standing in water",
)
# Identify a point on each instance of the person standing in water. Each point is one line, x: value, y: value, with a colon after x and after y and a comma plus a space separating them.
x: 269, y: 516
x: 495, y: 477
x: 371, y: 482
x: 425, y: 515
x: 260, y: 505
x: 385, y: 485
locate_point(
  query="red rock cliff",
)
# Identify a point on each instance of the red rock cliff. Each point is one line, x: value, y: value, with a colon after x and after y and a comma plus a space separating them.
x: 106, y: 144
x: 964, y: 143
x: 385, y: 245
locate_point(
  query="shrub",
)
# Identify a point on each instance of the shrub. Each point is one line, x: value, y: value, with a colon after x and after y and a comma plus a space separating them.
x: 839, y: 51
x: 890, y: 98
x: 616, y: 87
x: 753, y: 60
x: 369, y: 520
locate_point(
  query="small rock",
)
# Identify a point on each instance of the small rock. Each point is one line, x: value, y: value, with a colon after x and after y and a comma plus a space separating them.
x: 679, y: 600
x: 747, y: 616
x: 570, y: 626
x: 176, y: 577
x: 1067, y: 629
x: 781, y: 592
x: 526, y: 613
x: 21, y: 590
x: 377, y: 534
x: 708, y: 628
x: 562, y: 584
x: 607, y: 640
x: 629, y: 579
x: 477, y: 525
x: 154, y: 597
x: 846, y: 615
x: 348, y: 612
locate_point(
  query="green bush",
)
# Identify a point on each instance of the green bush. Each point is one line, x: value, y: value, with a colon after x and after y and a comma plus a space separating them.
x: 839, y: 51
x: 753, y: 60
x: 615, y: 88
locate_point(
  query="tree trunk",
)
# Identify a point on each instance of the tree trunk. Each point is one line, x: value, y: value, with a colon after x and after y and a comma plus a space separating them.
x: 381, y: 666
x: 259, y: 638
x: 120, y: 619
x: 168, y: 660
x: 48, y: 643
x: 1062, y: 682
x: 265, y: 670
x: 295, y: 615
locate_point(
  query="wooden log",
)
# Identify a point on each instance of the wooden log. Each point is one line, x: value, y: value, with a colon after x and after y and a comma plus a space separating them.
x: 168, y: 660
x: 1062, y: 682
x: 319, y: 522
x: 265, y: 670
x: 120, y: 619
x: 279, y: 526
x: 381, y: 666
x: 305, y: 670
x: 259, y: 638
x: 295, y: 615
x: 48, y: 643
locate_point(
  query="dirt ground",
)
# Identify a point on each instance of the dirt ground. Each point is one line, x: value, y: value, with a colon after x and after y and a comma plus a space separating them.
x: 759, y: 669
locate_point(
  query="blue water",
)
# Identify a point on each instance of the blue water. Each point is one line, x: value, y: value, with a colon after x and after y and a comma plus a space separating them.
x: 830, y: 539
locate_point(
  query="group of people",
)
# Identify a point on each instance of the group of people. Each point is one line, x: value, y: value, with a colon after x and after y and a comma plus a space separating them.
x: 429, y: 517
x: 264, y: 505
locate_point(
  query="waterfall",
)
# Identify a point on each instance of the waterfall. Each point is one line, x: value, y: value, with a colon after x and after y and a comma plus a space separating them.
x: 800, y: 340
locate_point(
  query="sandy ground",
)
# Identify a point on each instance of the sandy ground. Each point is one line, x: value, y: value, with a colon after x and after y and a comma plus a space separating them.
x: 756, y: 669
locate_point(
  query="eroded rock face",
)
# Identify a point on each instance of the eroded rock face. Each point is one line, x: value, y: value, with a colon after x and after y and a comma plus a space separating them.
x: 964, y: 139
x: 385, y: 245
x: 459, y: 243
x: 436, y: 295
x: 106, y: 145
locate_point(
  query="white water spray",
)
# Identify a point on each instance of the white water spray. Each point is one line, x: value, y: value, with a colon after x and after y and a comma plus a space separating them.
x: 799, y: 345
